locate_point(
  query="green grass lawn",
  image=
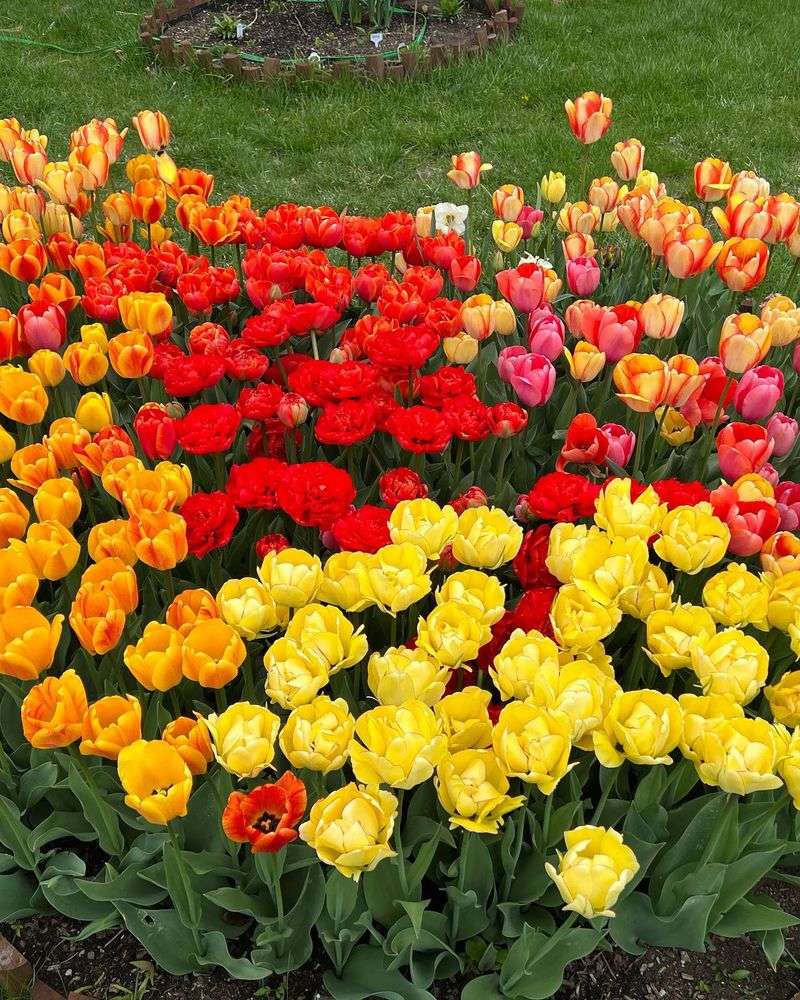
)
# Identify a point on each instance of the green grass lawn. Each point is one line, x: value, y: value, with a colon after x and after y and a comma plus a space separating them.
x: 688, y: 77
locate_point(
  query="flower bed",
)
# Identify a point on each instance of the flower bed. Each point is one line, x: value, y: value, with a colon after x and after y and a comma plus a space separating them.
x: 381, y: 586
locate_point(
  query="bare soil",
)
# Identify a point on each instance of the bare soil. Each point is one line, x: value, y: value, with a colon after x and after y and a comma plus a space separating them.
x: 113, y: 964
x: 293, y: 29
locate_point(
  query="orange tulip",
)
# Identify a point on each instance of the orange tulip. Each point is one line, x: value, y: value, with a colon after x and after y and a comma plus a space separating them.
x: 58, y: 500
x: 109, y: 443
x: 149, y: 200
x: 10, y: 343
x: 92, y: 163
x: 158, y: 538
x: 585, y: 361
x: 188, y: 205
x: 116, y: 576
x: 605, y: 192
x: 146, y: 311
x: 23, y: 259
x: 190, y: 608
x: 212, y: 653
x: 577, y: 245
x: 589, y: 116
x: 684, y: 380
x: 712, y: 178
x: 771, y: 219
x: 742, y: 263
x: 627, y: 158
x: 47, y: 366
x: 10, y: 134
x: 96, y: 619
x: 189, y: 180
x: 100, y: 133
x: 579, y: 217
x: 28, y: 642
x: 110, y: 725
x: 28, y: 161
x: 25, y: 199
x: 661, y: 316
x: 64, y: 434
x: 214, y: 225
x: 22, y: 396
x: 108, y: 540
x: 153, y: 128
x: 33, y: 465
x: 467, y: 170
x: 117, y: 472
x: 636, y: 206
x: 155, y: 659
x: 14, y: 516
x: 641, y: 380
x: 131, y: 354
x: 782, y: 316
x: 52, y: 548
x: 668, y: 214
x: 20, y: 225
x: 478, y: 316
x: 507, y: 202
x: 55, y: 289
x: 748, y: 184
x: 53, y: 711
x: 689, y: 250
x: 743, y: 342
x: 89, y: 260
x: 18, y: 580
x: 190, y: 738
x: 86, y: 363
x: 61, y: 183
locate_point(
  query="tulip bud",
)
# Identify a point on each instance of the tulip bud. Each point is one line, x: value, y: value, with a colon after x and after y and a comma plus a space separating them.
x: 94, y: 411
x: 292, y: 410
x: 583, y: 276
x: 783, y: 431
x: 461, y: 349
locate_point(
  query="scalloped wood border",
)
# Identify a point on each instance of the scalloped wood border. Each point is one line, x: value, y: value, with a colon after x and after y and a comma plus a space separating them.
x: 505, y: 22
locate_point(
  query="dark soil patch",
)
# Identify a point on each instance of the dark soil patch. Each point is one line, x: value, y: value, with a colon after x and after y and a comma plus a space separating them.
x: 293, y: 29
x: 113, y: 963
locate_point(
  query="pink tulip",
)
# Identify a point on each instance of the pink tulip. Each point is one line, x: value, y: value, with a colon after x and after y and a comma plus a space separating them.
x: 758, y: 392
x: 528, y: 219
x: 523, y: 286
x: 505, y: 360
x: 770, y: 473
x: 583, y: 276
x: 783, y: 431
x: 532, y: 378
x: 787, y: 497
x: 44, y: 325
x: 621, y: 443
x: 614, y: 330
x: 545, y: 333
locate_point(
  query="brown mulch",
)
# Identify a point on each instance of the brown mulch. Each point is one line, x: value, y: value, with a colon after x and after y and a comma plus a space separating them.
x: 112, y: 963
x: 292, y: 29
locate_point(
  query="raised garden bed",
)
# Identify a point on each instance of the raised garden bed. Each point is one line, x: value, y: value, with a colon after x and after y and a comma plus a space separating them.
x: 300, y: 40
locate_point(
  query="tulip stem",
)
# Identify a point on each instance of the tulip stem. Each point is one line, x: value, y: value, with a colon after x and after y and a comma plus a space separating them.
x: 713, y: 429
x: 639, y: 439
x: 520, y: 833
x: 398, y: 839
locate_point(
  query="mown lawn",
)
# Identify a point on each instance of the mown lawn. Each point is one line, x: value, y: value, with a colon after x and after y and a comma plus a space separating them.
x: 688, y: 77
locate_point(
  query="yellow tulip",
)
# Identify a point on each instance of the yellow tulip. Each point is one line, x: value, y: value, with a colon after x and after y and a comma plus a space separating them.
x: 594, y: 870
x: 740, y: 756
x: 293, y: 679
x: 579, y: 621
x: 58, y: 500
x: 654, y: 593
x: 344, y: 582
x: 618, y: 514
x: 642, y: 726
x: 325, y: 634
x: 522, y: 662
x: 292, y: 576
x: 482, y: 594
x: 692, y: 538
x: 730, y: 663
x: 243, y: 738
x: 94, y: 411
x: 397, y: 745
x: 702, y: 712
x: 401, y: 674
x: 452, y: 634
x: 473, y: 789
x: 533, y: 743
x: 396, y: 577
x: 737, y: 597
x: 247, y: 606
x: 464, y: 716
x: 28, y: 642
x: 351, y: 828
x: 53, y: 550
x: 424, y: 523
x: 671, y: 633
x: 317, y: 736
x: 487, y: 538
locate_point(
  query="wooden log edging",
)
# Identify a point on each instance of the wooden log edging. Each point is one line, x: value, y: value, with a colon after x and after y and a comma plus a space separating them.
x: 506, y: 17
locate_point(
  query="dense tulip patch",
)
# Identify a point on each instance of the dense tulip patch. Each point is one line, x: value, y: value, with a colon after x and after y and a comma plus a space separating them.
x: 392, y: 585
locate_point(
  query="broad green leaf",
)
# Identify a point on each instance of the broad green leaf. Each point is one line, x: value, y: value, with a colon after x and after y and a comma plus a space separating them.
x: 163, y: 935
x: 236, y: 901
x: 183, y: 895
x: 216, y: 953
x: 128, y: 887
x: 16, y: 893
x: 536, y: 963
x: 365, y: 977
x: 101, y: 816
x: 749, y: 915
x: 15, y: 835
x: 636, y: 925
